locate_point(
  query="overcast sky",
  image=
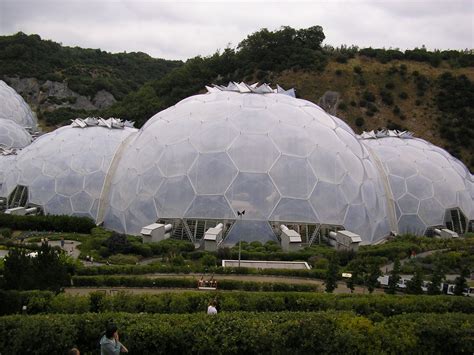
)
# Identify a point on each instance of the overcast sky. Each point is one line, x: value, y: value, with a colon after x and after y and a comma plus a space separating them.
x: 184, y: 29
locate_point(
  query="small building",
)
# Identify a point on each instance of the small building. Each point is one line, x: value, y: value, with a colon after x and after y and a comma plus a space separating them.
x: 290, y: 239
x: 345, y: 240
x: 445, y: 233
x: 19, y: 211
x: 213, y: 237
x: 155, y: 232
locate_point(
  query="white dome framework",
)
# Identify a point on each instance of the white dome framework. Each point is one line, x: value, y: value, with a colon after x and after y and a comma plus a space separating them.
x: 14, y: 108
x: 244, y: 147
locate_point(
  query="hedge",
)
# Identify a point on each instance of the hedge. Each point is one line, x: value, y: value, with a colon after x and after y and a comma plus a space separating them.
x: 47, y: 223
x: 166, y: 269
x: 242, y: 333
x: 191, y: 302
x: 181, y: 282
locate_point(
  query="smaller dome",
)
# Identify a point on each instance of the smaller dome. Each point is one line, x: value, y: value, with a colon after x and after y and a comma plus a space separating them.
x: 13, y: 135
x: 14, y: 108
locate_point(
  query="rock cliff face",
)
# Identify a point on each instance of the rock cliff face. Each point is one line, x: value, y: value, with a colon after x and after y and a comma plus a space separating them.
x: 51, y: 95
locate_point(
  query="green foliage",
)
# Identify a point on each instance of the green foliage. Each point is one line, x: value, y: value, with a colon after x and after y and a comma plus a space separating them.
x: 359, y: 121
x: 394, y: 277
x: 249, y: 301
x: 455, y: 99
x: 121, y: 259
x: 189, y: 282
x: 332, y: 275
x: 46, y: 271
x: 86, y: 71
x: 414, y: 285
x: 461, y: 283
x: 236, y: 333
x: 436, y: 280
x: 5, y: 233
x: 47, y: 223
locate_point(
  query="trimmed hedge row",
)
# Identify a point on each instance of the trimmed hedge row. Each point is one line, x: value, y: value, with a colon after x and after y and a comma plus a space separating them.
x: 166, y: 269
x: 47, y: 223
x: 243, y: 333
x: 190, y: 302
x: 180, y: 282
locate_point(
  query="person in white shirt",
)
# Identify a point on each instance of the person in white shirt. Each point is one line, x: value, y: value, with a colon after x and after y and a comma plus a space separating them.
x: 211, y: 309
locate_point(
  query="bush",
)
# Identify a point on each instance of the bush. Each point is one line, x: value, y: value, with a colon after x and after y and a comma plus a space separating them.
x: 357, y: 69
x: 403, y: 95
x: 233, y: 333
x: 121, y: 259
x: 47, y: 223
x: 359, y: 121
x: 368, y: 96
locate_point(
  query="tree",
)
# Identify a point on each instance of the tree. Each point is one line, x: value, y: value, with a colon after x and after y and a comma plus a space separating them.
x: 436, y: 279
x: 460, y: 282
x: 414, y: 285
x: 394, y: 277
x: 374, y: 273
x: 18, y: 270
x: 332, y: 274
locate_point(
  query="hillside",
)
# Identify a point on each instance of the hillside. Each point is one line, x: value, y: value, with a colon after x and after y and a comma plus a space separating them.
x: 429, y: 93
x: 54, y: 77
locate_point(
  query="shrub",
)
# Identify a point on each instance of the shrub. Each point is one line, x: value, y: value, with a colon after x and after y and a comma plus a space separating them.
x: 390, y: 86
x: 403, y: 95
x: 357, y: 69
x: 233, y: 333
x: 121, y: 259
x: 359, y: 121
x: 368, y: 96
x: 47, y: 223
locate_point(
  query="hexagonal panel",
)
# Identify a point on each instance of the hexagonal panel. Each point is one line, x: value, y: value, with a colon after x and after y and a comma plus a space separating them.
x: 327, y: 165
x: 420, y: 187
x: 289, y: 114
x: 319, y: 115
x: 213, y: 136
x: 253, y: 153
x: 329, y: 203
x: 401, y: 167
x: 212, y: 207
x: 411, y: 223
x: 93, y: 183
x: 397, y: 186
x: 250, y: 120
x: 293, y: 177
x: 431, y: 212
x: 177, y: 159
x: 69, y: 183
x: 408, y: 204
x: 254, y: 193
x: 356, y: 216
x: 150, y: 181
x: 59, y: 205
x: 174, y: 197
x: 292, y: 210
x: 41, y: 190
x: 249, y: 231
x: 351, y: 189
x: 86, y: 163
x: 212, y: 173
x: 292, y: 140
x: 81, y: 202
x: 141, y: 212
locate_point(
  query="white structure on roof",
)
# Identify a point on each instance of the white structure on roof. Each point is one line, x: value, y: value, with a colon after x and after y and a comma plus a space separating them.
x: 290, y: 239
x: 345, y: 240
x: 213, y: 237
x: 14, y: 108
x: 155, y: 232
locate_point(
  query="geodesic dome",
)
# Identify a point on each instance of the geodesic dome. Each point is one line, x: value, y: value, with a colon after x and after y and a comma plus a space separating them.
x: 65, y: 170
x: 276, y: 157
x: 13, y: 135
x: 425, y: 181
x: 14, y: 108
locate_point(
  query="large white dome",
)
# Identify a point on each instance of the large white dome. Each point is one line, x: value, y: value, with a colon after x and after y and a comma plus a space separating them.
x: 65, y: 170
x: 283, y: 160
x: 13, y: 135
x: 425, y: 181
x: 14, y: 108
x: 276, y: 157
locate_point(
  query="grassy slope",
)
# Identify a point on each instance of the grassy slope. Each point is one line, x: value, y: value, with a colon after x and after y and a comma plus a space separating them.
x: 422, y: 119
